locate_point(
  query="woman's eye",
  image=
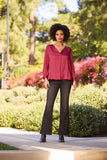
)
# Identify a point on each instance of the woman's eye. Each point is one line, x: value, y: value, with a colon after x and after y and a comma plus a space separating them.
x: 59, y: 34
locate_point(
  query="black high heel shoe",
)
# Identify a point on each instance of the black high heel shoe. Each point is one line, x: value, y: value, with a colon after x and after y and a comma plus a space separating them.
x: 61, y: 138
x: 43, y: 138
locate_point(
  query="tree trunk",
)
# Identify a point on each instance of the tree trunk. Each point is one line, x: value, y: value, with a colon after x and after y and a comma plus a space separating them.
x: 32, y: 47
x: 32, y: 38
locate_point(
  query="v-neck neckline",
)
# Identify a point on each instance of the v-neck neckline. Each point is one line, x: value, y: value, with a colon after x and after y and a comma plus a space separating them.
x: 58, y: 50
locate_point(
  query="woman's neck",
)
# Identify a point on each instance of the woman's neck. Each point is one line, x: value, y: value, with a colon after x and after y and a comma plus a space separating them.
x: 59, y: 43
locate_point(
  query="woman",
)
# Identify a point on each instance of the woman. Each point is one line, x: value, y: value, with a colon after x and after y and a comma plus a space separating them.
x: 59, y: 73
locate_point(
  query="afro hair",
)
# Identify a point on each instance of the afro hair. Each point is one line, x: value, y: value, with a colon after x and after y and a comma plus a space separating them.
x: 56, y: 27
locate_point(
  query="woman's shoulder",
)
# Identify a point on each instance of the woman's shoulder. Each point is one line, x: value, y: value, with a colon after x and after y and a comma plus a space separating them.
x: 69, y: 48
x: 49, y: 45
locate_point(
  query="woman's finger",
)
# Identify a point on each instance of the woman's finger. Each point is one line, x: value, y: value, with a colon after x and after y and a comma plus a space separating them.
x: 48, y: 84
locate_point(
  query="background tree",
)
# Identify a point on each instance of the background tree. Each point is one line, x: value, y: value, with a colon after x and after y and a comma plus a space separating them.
x: 33, y: 19
x: 93, y: 22
x: 19, y: 27
x: 21, y: 14
x: 32, y: 37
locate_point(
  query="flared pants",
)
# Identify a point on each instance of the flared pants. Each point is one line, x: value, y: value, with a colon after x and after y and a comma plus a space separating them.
x: 55, y: 85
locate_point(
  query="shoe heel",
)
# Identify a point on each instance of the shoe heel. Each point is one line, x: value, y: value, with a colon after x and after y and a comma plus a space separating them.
x: 61, y: 138
x: 43, y: 138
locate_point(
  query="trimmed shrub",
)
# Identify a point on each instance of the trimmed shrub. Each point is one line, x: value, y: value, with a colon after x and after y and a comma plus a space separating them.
x: 29, y: 117
x: 5, y: 95
x: 89, y: 95
x: 21, y: 95
x: 104, y: 90
x: 56, y: 120
x: 6, y: 115
x: 85, y: 120
x: 22, y: 107
x: 104, y: 87
x: 1, y: 72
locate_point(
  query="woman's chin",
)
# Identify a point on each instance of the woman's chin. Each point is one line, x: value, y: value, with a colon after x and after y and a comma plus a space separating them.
x: 59, y: 40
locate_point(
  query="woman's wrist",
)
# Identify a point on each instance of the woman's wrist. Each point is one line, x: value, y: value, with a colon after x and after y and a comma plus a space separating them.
x: 74, y: 82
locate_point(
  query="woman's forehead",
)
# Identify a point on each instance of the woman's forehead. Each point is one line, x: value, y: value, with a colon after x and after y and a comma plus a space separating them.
x: 59, y: 31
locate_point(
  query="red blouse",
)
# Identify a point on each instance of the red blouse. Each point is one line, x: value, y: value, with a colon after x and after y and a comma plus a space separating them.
x: 58, y: 65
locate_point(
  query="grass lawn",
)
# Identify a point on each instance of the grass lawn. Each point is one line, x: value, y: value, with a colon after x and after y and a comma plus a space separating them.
x: 7, y: 147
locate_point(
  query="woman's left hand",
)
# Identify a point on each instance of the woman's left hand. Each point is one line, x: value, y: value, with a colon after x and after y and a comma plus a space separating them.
x: 74, y: 86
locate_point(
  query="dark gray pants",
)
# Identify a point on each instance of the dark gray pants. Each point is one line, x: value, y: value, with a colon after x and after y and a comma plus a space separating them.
x: 65, y: 86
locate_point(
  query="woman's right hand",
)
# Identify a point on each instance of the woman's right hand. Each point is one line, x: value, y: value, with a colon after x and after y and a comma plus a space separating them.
x: 74, y: 86
x: 47, y: 85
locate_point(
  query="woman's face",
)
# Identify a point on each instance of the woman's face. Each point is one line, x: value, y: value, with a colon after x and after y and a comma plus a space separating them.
x: 59, y: 35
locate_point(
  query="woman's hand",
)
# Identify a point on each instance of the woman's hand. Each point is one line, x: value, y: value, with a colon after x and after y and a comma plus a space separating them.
x: 74, y: 86
x: 47, y: 85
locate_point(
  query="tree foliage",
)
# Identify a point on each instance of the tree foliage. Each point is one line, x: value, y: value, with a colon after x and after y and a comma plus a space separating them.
x: 19, y: 26
x: 87, y: 27
x: 93, y: 22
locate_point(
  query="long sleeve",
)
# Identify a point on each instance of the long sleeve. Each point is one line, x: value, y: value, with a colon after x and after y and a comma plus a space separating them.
x: 72, y: 66
x: 46, y: 64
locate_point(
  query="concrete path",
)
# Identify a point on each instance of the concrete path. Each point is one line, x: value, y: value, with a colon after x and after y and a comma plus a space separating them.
x: 28, y: 140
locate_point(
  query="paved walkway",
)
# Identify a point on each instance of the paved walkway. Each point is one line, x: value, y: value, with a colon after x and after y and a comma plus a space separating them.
x: 28, y: 140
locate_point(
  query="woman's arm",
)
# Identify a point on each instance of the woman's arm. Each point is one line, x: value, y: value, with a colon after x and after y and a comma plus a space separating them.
x: 46, y: 64
x: 73, y: 71
x: 46, y: 68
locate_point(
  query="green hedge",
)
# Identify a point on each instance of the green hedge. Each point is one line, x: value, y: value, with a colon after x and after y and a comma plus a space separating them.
x: 23, y: 95
x: 26, y: 116
x: 85, y: 120
x: 23, y: 107
x: 89, y: 94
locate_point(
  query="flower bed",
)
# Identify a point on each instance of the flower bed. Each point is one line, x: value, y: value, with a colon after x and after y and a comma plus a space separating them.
x: 31, y: 79
x: 92, y: 70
